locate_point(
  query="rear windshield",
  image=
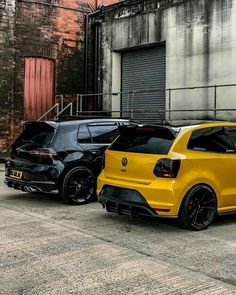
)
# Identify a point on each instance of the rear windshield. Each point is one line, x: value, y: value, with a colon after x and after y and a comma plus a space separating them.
x: 144, y: 141
x: 40, y: 133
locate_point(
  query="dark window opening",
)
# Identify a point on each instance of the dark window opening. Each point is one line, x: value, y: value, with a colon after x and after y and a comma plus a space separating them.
x: 145, y: 141
x: 66, y: 136
x: 214, y: 139
x: 104, y: 133
x: 37, y: 133
x: 232, y: 134
x: 84, y: 135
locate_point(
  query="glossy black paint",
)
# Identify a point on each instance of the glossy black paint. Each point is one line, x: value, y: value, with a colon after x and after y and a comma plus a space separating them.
x: 59, y: 152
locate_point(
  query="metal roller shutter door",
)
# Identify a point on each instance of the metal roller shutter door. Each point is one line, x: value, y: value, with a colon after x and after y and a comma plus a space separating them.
x: 144, y: 69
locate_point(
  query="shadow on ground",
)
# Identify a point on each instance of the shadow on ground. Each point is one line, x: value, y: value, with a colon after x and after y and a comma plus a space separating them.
x: 43, y: 200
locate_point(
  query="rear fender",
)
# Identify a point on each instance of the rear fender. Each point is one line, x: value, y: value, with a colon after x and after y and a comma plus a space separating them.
x: 75, y: 156
x: 189, y: 186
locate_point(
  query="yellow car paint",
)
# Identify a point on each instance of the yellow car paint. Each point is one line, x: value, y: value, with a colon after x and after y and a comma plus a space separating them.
x: 217, y: 170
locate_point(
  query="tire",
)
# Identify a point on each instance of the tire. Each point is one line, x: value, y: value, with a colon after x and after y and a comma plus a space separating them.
x: 198, y: 208
x: 78, y: 186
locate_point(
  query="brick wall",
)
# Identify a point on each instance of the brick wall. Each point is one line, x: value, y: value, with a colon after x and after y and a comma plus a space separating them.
x: 49, y: 28
x: 97, y: 3
x: 51, y: 32
x: 7, y: 13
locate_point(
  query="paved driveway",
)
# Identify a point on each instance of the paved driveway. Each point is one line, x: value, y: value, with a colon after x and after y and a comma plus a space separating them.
x: 50, y: 248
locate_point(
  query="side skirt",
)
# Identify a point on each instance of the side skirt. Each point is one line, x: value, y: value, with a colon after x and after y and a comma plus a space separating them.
x: 229, y: 212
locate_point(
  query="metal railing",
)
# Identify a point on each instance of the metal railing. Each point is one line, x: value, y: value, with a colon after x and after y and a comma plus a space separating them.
x: 78, y: 103
x: 69, y: 106
x: 56, y: 107
x: 59, y: 110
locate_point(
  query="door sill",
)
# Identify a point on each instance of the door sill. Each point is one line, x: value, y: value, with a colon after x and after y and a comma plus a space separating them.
x: 228, y: 212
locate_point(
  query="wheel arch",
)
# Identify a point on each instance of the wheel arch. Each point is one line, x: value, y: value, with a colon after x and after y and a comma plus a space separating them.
x: 71, y: 166
x: 189, y: 188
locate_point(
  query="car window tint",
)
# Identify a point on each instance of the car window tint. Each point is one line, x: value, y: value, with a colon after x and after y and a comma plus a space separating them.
x: 143, y: 143
x: 104, y: 133
x: 84, y: 135
x: 232, y: 134
x: 213, y: 139
x: 37, y: 133
x: 66, y: 136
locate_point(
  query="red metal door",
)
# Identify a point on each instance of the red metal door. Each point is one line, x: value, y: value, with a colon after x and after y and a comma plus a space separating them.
x: 39, y: 86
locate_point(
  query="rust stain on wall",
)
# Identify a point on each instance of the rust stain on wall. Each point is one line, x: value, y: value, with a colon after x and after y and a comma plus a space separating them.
x: 45, y: 31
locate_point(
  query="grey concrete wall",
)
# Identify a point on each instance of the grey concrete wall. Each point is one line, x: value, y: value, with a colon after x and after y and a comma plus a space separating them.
x: 200, y: 41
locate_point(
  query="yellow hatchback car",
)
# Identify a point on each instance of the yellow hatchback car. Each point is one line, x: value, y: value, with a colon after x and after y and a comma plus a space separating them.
x: 188, y: 173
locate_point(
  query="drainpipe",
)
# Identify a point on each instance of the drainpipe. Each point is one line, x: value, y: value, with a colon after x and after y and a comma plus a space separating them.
x: 96, y: 59
x: 86, y: 43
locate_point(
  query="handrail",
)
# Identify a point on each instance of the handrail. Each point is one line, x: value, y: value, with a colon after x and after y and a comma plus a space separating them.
x: 70, y: 105
x: 55, y: 106
x: 78, y: 101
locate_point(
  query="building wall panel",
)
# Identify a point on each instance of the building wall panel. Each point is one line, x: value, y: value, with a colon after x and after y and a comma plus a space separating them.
x: 200, y: 39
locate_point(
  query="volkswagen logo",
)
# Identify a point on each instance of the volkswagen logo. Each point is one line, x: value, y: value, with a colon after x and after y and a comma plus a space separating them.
x: 124, y: 162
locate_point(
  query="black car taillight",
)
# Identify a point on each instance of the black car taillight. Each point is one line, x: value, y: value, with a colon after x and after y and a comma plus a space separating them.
x: 167, y: 168
x: 44, y: 153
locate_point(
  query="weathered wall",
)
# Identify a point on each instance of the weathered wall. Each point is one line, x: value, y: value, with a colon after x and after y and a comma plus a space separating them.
x: 45, y: 28
x: 97, y: 3
x: 51, y: 32
x: 200, y: 39
x: 7, y: 12
x: 38, y: 30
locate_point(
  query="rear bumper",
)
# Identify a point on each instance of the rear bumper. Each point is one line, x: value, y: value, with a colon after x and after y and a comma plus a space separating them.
x: 163, y: 196
x: 125, y: 202
x: 31, y: 186
x: 35, y: 177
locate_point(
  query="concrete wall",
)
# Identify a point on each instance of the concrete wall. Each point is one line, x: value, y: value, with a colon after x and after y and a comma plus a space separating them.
x: 200, y: 39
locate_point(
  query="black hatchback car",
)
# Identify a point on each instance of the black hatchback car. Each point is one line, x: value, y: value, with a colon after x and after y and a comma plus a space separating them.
x: 61, y: 156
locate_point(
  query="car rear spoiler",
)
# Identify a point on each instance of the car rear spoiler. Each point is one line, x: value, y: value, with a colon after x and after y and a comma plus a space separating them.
x: 40, y: 123
x: 165, y: 131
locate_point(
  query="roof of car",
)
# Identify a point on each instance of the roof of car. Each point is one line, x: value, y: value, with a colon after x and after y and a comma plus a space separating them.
x: 205, y: 124
x: 208, y: 124
x: 85, y: 121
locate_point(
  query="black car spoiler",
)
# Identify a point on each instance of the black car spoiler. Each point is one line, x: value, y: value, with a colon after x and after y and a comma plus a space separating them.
x: 165, y: 131
x: 40, y: 123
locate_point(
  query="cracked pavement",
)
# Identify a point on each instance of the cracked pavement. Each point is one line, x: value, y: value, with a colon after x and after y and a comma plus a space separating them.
x: 50, y: 248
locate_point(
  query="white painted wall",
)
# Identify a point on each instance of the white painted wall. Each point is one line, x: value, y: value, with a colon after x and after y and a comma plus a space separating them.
x: 116, y: 84
x: 200, y: 41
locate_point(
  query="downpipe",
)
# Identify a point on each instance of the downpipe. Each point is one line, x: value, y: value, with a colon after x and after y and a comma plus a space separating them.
x: 86, y: 45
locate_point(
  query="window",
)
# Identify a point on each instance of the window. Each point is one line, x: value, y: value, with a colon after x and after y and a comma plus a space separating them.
x: 39, y: 133
x: 232, y: 134
x: 66, y: 136
x: 156, y: 142
x: 84, y: 135
x: 213, y: 139
x: 103, y: 133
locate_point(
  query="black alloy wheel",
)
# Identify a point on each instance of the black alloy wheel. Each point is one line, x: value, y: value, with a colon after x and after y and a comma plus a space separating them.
x: 198, y: 208
x: 78, y: 186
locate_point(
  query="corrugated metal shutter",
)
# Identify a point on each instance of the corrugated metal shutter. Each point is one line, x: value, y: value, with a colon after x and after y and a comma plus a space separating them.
x: 39, y: 85
x: 144, y: 69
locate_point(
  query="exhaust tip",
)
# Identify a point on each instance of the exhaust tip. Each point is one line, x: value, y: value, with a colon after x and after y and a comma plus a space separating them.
x: 23, y: 188
x: 31, y: 189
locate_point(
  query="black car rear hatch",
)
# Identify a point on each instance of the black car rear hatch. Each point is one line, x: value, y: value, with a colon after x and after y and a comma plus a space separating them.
x: 34, y: 142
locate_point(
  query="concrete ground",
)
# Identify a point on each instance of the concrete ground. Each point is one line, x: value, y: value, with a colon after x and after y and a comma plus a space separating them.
x: 50, y: 248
